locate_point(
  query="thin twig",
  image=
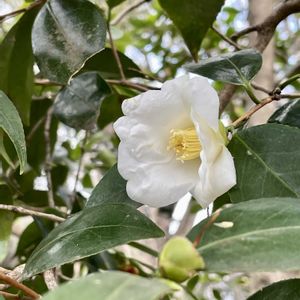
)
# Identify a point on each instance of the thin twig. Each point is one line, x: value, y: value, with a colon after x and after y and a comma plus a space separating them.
x: 10, y: 296
x: 127, y: 11
x: 12, y: 282
x: 20, y: 11
x: 29, y: 212
x: 211, y: 220
x: 290, y: 96
x: 36, y: 126
x: 136, y: 86
x: 82, y: 150
x: 114, y: 50
x: 243, y: 32
x: 254, y: 109
x: 261, y: 88
x: 226, y: 39
x: 48, y: 160
x: 50, y: 279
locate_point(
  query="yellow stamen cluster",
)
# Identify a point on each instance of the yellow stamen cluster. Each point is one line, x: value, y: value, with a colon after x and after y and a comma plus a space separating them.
x: 185, y: 143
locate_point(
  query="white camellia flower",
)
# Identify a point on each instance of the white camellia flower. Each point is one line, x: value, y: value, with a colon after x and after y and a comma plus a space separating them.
x: 171, y: 144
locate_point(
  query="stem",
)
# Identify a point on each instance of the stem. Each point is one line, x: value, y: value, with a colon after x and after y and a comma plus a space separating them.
x: 211, y: 220
x: 114, y: 50
x: 48, y: 162
x: 19, y: 286
x: 20, y: 11
x: 10, y: 296
x: 254, y: 109
x: 250, y: 93
x: 144, y: 248
x: 226, y: 39
x: 288, y: 81
x: 29, y: 212
x: 136, y: 86
x: 127, y: 11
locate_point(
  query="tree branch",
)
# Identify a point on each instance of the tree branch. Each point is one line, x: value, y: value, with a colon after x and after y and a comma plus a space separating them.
x: 48, y: 162
x: 20, y: 11
x: 29, y: 212
x: 127, y: 11
x: 265, y: 31
x: 20, y: 286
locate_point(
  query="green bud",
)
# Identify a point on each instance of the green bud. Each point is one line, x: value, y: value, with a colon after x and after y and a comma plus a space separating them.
x: 179, y: 259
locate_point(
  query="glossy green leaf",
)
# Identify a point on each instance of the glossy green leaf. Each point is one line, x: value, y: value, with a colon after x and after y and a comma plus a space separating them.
x: 286, y: 289
x: 104, y: 62
x: 89, y: 232
x: 65, y: 34
x: 253, y: 236
x: 6, y: 220
x: 236, y: 67
x: 193, y: 18
x: 16, y: 64
x: 110, y: 286
x: 111, y: 189
x: 11, y: 123
x: 288, y: 114
x: 78, y: 104
x: 267, y: 160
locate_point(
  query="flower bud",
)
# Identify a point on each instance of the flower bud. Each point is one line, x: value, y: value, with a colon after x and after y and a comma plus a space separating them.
x: 179, y: 259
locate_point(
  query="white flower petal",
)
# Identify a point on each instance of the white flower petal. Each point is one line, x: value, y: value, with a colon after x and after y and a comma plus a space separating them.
x: 217, y: 172
x: 159, y: 185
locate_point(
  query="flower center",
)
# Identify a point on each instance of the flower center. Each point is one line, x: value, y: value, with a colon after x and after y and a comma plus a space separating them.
x: 185, y: 143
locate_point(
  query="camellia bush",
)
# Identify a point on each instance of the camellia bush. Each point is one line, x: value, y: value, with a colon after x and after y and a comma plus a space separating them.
x: 114, y: 112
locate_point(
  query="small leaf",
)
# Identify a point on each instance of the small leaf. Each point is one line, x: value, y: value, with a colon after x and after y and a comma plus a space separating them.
x: 104, y: 62
x: 89, y: 232
x: 11, y: 123
x: 286, y: 289
x: 111, y: 189
x: 65, y: 34
x: 6, y: 221
x: 16, y: 64
x: 78, y: 104
x: 264, y: 236
x: 113, y: 3
x: 287, y: 114
x: 235, y: 68
x: 193, y: 18
x: 267, y: 160
x: 110, y: 285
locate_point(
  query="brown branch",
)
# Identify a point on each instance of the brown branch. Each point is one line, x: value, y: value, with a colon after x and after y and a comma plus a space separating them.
x: 127, y: 11
x: 211, y: 220
x: 29, y: 212
x: 19, y: 286
x: 136, y: 86
x: 265, y: 31
x: 261, y: 88
x: 20, y: 11
x: 114, y: 49
x: 254, y: 109
x: 226, y: 39
x: 10, y: 296
x: 290, y: 96
x: 48, y: 160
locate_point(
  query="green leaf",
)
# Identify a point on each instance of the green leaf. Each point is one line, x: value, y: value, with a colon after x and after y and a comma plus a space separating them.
x: 286, y: 289
x: 11, y: 123
x: 78, y: 104
x: 288, y: 114
x: 111, y: 189
x: 267, y: 160
x: 65, y: 34
x: 89, y: 232
x: 16, y: 64
x: 113, y: 3
x: 110, y: 285
x: 104, y: 62
x: 6, y: 221
x: 236, y: 67
x: 193, y: 18
x: 253, y: 236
